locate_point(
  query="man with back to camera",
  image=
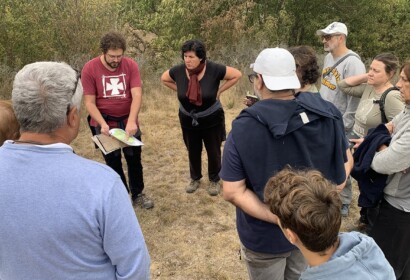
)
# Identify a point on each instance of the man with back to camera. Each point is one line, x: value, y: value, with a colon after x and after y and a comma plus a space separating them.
x: 113, y: 96
x: 303, y: 131
x: 339, y: 64
x: 62, y: 216
x: 308, y: 210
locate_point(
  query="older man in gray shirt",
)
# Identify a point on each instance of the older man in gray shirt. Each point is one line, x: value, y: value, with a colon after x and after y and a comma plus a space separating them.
x: 339, y: 64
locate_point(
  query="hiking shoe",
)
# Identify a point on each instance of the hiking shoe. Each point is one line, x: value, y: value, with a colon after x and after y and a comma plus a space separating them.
x: 214, y: 188
x: 344, y: 210
x: 143, y: 202
x: 193, y: 186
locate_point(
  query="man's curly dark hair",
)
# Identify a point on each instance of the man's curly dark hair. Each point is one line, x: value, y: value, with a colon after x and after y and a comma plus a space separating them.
x: 112, y: 40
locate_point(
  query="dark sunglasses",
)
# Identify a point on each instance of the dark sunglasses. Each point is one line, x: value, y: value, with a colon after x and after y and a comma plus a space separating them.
x: 328, y: 37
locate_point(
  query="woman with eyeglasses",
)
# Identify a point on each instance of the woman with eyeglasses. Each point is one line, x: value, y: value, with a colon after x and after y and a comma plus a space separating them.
x: 197, y: 82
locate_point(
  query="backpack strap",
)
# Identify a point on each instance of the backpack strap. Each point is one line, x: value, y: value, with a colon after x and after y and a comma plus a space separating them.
x: 382, y: 101
x: 338, y: 62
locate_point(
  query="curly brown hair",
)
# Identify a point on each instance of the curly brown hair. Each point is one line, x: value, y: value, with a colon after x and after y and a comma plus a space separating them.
x: 112, y: 40
x: 308, y: 204
x: 307, y: 67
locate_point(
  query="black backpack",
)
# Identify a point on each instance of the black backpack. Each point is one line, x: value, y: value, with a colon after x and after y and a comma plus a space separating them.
x: 382, y: 101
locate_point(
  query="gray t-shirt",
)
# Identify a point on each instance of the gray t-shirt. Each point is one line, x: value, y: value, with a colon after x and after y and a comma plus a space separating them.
x: 329, y: 90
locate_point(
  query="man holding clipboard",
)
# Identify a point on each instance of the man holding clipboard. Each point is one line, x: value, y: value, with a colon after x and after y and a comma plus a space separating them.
x: 113, y: 95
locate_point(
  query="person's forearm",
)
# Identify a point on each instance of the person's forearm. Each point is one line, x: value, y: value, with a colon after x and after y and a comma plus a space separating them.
x: 232, y: 76
x: 251, y: 204
x: 389, y: 160
x: 356, y: 80
x: 356, y: 91
x: 131, y: 128
x: 168, y: 81
x: 349, y: 163
x: 170, y: 85
x: 135, y: 107
x: 348, y: 169
x: 228, y: 84
x: 95, y: 113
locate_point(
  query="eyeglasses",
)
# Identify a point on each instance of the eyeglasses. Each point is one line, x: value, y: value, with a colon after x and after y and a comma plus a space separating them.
x: 118, y: 57
x: 328, y: 37
x: 78, y: 75
x: 252, y: 77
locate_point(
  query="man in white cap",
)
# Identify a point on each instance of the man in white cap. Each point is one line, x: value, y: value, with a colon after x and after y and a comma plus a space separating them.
x: 282, y: 129
x: 339, y: 64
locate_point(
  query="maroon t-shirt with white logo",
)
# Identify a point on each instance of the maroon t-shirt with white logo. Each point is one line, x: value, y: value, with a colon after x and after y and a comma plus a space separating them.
x: 112, y: 89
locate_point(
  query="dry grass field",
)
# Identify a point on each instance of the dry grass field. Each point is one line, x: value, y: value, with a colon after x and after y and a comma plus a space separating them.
x: 189, y: 236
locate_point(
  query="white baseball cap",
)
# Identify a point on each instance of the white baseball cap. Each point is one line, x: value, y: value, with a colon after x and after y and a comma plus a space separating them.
x: 278, y: 69
x: 333, y: 28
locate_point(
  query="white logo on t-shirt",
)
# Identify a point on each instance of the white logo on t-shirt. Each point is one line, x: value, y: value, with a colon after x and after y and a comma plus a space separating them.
x: 114, y: 86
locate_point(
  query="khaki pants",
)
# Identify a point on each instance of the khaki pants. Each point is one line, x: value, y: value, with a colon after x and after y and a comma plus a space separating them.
x: 261, y: 266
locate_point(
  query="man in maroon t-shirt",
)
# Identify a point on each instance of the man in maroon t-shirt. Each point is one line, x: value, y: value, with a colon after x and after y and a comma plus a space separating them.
x: 112, y: 94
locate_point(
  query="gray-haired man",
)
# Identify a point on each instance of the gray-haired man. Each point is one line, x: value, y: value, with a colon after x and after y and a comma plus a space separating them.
x: 62, y: 216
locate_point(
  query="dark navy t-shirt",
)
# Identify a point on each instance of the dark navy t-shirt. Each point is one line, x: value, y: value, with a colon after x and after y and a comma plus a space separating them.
x: 307, y: 132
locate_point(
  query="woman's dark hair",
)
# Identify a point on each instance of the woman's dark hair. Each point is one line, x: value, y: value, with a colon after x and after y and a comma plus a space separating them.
x: 406, y: 69
x: 112, y: 40
x: 195, y: 46
x: 306, y: 64
x: 390, y: 61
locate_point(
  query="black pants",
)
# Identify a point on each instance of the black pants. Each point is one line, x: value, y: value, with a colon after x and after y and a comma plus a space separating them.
x: 133, y: 158
x: 135, y: 176
x: 368, y: 215
x: 212, y: 139
x: 391, y: 232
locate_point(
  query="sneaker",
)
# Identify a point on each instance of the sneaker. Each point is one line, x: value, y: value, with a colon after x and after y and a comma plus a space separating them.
x: 143, y: 201
x: 214, y: 188
x: 344, y: 210
x: 193, y: 186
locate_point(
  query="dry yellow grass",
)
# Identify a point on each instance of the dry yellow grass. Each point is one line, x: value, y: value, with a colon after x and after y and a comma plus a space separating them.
x: 189, y: 236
